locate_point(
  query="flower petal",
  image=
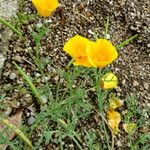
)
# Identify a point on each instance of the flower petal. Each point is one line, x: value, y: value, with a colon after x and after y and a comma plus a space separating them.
x: 102, y: 53
x: 129, y: 127
x: 115, y: 103
x: 108, y: 81
x: 114, y: 119
x: 76, y: 48
x: 45, y: 7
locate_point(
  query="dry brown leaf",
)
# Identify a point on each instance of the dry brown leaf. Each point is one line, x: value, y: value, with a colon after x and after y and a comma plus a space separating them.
x: 115, y: 103
x: 15, y: 120
x: 144, y: 130
x: 114, y: 119
x: 129, y: 127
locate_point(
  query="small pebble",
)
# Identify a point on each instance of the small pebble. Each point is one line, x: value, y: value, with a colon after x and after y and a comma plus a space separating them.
x: 8, y: 111
x: 91, y: 32
x: 19, y: 49
x: 43, y: 107
x: 81, y: 6
x: 119, y: 144
x: 123, y: 81
x: 148, y: 45
x: 31, y: 120
x: 17, y: 58
x: 18, y: 104
x: 107, y: 36
x: 12, y: 76
x: 146, y: 86
x: 37, y: 75
x: 44, y: 99
x: 135, y: 83
x: 2, y: 60
x: 39, y: 25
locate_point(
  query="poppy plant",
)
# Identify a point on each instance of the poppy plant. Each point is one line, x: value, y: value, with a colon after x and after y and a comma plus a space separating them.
x: 45, y: 7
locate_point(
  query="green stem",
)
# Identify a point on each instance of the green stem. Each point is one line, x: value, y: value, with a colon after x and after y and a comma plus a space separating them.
x: 126, y: 42
x: 77, y: 143
x: 66, y: 125
x: 4, y: 22
x: 106, y: 27
x: 17, y: 131
x: 72, y: 137
x: 105, y: 121
x: 32, y: 87
x: 70, y: 63
x: 106, y: 134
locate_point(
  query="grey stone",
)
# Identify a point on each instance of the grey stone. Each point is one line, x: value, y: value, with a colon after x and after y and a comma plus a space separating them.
x: 12, y: 76
x: 8, y: 9
x: 17, y: 58
x: 148, y: 45
x: 146, y: 86
x: 2, y: 60
x: 44, y: 98
x: 135, y: 83
x: 119, y: 143
x: 31, y: 120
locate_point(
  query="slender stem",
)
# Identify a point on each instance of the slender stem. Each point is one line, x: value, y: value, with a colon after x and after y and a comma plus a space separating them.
x: 62, y: 122
x: 95, y: 35
x: 31, y: 85
x: 112, y: 142
x: 3, y: 21
x: 106, y: 27
x: 106, y: 135
x: 77, y: 143
x: 70, y: 63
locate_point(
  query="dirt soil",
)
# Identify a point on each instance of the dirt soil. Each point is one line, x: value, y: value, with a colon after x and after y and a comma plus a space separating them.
x: 127, y: 18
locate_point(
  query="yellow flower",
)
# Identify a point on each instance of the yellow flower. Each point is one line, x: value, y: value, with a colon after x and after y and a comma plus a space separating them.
x: 114, y: 119
x: 129, y: 127
x: 108, y: 81
x: 115, y: 103
x: 101, y: 53
x: 76, y: 47
x: 45, y: 7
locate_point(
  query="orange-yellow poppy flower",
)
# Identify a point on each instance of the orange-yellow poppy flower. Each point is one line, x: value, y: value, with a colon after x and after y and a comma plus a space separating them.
x: 45, y: 7
x: 76, y: 47
x: 101, y: 53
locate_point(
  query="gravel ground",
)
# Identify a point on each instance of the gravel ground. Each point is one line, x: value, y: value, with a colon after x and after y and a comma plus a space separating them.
x: 127, y: 18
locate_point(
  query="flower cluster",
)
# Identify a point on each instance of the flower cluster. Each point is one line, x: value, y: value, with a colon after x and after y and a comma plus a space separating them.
x: 90, y: 54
